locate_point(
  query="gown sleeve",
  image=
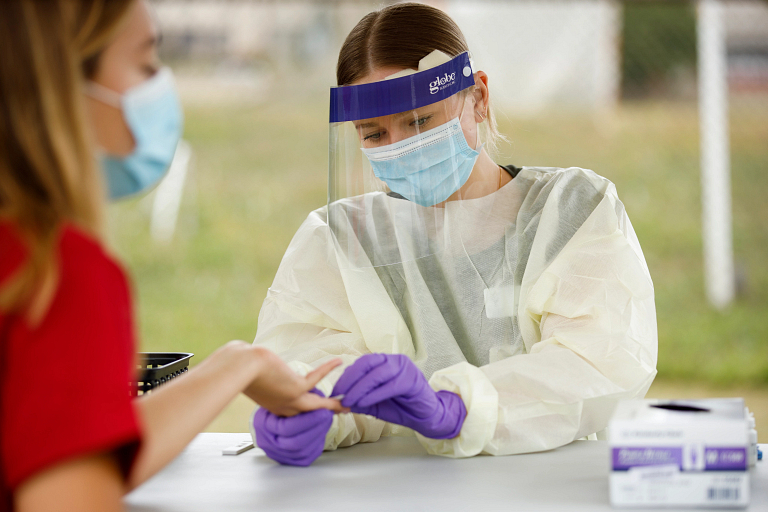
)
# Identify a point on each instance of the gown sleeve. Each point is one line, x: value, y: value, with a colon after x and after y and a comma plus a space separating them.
x: 307, y: 319
x: 588, y: 321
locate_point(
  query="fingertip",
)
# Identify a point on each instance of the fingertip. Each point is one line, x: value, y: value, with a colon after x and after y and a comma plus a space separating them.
x: 332, y: 405
x: 340, y: 408
x: 376, y: 358
x: 367, y: 362
x: 320, y: 404
x: 342, y: 386
x: 347, y: 402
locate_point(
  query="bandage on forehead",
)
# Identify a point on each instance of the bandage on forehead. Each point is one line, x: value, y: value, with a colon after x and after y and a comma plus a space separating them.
x: 387, y: 97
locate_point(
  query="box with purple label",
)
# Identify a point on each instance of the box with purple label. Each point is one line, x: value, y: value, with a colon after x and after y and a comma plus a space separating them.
x: 679, y: 453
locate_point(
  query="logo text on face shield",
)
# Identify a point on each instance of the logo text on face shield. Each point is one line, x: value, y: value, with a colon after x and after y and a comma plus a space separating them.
x: 441, y: 82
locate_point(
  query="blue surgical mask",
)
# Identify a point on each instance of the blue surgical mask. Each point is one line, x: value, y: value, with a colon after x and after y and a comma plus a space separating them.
x: 153, y: 113
x: 426, y: 168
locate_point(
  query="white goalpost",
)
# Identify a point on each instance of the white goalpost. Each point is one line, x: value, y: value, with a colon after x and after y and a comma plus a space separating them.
x: 717, y: 234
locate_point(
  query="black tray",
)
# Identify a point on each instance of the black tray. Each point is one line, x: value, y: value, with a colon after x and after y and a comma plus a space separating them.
x: 160, y: 367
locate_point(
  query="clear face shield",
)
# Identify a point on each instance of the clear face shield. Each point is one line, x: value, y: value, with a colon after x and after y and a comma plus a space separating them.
x: 399, y: 158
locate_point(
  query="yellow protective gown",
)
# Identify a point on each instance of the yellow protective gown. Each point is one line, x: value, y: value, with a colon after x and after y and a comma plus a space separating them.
x: 539, y: 312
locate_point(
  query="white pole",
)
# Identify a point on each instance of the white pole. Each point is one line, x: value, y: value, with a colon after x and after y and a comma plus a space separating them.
x: 715, y: 154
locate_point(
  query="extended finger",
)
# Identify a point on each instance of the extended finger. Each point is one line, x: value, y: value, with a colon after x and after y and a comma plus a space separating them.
x: 379, y: 379
x: 302, y: 404
x: 310, y: 402
x: 319, y: 373
x: 356, y: 371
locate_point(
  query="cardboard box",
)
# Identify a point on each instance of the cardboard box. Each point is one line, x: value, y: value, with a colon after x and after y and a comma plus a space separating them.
x: 679, y: 453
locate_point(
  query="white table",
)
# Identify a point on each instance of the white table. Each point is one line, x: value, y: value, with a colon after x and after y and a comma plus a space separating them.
x: 394, y: 474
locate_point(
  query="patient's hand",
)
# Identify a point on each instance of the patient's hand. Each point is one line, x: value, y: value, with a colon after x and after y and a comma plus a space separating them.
x: 281, y: 391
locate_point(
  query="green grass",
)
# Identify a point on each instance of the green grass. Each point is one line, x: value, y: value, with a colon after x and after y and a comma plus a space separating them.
x: 258, y: 171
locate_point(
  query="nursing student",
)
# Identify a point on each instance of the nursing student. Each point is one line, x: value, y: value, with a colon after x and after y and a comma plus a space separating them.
x: 485, y: 308
x: 87, y: 112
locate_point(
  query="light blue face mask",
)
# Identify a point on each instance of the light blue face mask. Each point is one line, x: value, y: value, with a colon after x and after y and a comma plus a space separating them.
x: 153, y: 114
x: 426, y: 168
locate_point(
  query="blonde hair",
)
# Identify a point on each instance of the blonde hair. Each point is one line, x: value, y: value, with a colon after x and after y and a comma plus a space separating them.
x: 400, y: 35
x: 48, y: 175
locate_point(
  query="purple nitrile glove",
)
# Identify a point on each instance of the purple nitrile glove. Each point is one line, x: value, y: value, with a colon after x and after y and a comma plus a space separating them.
x: 295, y: 441
x: 391, y: 388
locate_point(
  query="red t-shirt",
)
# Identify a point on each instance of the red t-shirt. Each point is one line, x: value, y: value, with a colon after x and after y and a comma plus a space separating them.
x: 64, y: 383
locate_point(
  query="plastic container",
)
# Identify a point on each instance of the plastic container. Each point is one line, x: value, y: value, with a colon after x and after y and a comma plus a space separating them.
x: 159, y: 368
x: 752, y: 456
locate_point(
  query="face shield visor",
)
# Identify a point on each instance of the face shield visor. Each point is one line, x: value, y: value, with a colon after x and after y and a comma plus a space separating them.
x: 398, y: 157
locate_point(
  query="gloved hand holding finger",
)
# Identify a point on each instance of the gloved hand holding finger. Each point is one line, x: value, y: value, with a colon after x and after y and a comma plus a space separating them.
x: 310, y: 401
x: 311, y: 427
x: 297, y: 440
x: 392, y: 388
x: 289, y: 429
x: 371, y: 376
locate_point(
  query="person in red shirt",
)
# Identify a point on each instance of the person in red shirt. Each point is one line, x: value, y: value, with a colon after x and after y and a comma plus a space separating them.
x: 77, y: 75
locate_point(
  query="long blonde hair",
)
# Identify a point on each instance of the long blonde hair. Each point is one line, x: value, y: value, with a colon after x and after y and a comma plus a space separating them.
x: 48, y: 175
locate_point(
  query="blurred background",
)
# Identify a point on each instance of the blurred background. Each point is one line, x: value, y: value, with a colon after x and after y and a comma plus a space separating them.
x: 667, y: 99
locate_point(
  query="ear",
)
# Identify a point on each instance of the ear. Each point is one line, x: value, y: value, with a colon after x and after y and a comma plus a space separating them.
x: 482, y: 96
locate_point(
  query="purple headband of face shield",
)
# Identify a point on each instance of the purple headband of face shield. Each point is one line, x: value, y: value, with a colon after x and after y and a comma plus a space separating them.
x: 387, y: 97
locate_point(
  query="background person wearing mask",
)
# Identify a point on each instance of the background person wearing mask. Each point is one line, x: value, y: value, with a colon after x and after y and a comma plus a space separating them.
x: 76, y: 76
x: 521, y: 294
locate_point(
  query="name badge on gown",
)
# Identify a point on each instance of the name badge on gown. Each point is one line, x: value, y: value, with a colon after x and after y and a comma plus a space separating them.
x: 500, y: 301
